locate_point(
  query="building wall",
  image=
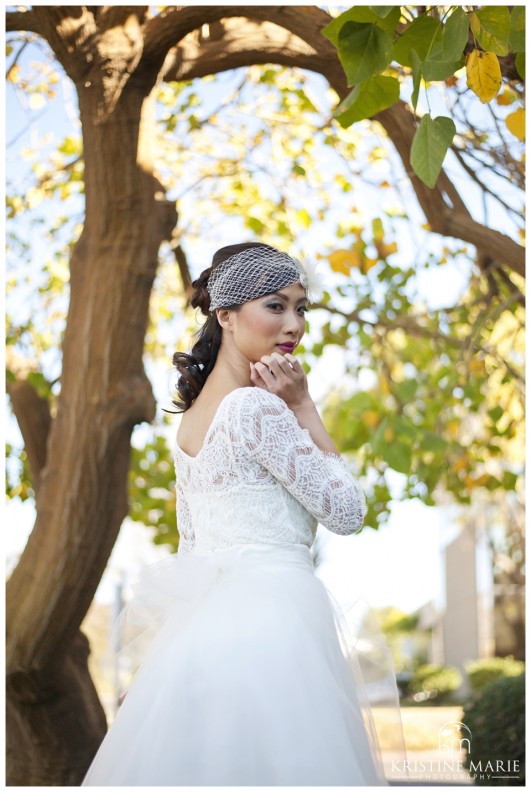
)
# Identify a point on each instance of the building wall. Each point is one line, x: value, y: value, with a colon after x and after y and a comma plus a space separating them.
x: 460, y: 626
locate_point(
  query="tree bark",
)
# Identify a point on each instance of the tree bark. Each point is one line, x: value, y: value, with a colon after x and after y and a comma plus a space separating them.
x: 55, y: 720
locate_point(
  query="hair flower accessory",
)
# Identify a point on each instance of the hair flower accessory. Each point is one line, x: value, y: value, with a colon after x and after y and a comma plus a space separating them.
x: 311, y: 279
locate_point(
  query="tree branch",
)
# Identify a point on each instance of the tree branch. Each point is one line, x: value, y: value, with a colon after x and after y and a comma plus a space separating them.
x: 241, y: 42
x: 33, y: 415
x: 22, y: 20
x: 184, y: 269
x: 172, y: 24
x: 108, y: 17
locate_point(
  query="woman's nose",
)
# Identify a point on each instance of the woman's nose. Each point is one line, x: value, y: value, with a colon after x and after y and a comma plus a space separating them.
x: 293, y: 323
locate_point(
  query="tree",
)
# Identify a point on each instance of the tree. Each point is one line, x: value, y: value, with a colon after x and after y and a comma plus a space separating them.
x: 79, y: 455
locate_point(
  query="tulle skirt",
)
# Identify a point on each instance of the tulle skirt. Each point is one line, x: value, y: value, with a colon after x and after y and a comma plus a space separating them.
x: 246, y: 680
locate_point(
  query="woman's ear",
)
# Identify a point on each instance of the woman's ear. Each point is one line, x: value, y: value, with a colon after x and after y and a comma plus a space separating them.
x: 224, y: 316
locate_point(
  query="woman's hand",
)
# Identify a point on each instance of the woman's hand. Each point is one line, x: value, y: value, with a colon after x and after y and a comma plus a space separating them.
x: 284, y: 376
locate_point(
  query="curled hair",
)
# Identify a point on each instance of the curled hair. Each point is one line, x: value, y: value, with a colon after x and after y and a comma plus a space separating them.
x: 195, y: 366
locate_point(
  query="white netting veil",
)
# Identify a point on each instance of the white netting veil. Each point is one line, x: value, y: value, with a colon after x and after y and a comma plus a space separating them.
x: 252, y: 273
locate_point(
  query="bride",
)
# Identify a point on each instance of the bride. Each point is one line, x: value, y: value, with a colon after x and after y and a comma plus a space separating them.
x: 245, y: 681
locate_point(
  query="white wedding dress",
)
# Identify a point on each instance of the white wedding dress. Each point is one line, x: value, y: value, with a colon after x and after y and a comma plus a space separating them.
x: 246, y: 681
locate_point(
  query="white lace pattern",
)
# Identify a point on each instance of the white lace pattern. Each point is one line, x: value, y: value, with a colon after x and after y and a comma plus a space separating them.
x: 259, y: 477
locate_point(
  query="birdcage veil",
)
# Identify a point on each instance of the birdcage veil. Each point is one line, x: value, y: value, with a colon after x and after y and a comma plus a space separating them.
x: 252, y: 273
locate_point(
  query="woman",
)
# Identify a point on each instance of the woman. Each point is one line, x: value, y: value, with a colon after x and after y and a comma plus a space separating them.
x: 245, y: 682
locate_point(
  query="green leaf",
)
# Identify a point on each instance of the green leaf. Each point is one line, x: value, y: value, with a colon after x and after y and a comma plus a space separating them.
x: 368, y: 98
x: 398, y: 456
x: 363, y: 50
x: 403, y: 428
x: 361, y: 14
x: 455, y: 35
x: 360, y: 402
x: 255, y: 225
x: 39, y: 383
x: 491, y: 26
x: 517, y: 32
x: 509, y: 480
x: 520, y: 64
x: 437, y: 66
x: 417, y: 75
x: 432, y: 442
x: 406, y: 390
x: 71, y: 145
x: 378, y: 442
x: 381, y: 11
x: 430, y: 144
x: 420, y: 36
x: 496, y: 413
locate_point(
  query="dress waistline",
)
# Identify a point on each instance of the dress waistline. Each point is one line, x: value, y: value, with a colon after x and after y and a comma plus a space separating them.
x: 260, y: 554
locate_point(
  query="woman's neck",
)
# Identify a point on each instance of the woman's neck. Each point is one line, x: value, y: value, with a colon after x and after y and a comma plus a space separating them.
x: 230, y: 371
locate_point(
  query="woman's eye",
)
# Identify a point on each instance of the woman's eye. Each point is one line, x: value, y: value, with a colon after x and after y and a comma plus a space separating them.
x: 303, y: 309
x: 274, y: 306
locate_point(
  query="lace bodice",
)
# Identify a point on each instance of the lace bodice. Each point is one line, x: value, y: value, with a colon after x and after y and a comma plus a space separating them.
x: 259, y: 477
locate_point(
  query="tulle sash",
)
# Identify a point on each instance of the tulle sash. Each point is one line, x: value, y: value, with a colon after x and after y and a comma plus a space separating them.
x: 177, y: 585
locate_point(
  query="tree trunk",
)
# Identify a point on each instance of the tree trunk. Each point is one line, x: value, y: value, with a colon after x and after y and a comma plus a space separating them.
x: 55, y: 720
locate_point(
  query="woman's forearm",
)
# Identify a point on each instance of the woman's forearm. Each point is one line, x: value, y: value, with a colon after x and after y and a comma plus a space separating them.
x: 309, y: 418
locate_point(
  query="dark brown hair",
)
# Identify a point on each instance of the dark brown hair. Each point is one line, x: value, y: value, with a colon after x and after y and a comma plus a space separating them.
x: 194, y: 367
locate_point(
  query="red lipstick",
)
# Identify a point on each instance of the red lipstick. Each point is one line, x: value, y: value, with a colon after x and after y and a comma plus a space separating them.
x: 287, y: 346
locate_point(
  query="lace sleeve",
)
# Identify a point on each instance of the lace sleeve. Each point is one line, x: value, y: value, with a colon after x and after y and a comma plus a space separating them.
x: 184, y: 524
x: 320, y: 481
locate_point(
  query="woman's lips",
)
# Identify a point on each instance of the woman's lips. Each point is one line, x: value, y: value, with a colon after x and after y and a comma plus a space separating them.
x: 288, y: 347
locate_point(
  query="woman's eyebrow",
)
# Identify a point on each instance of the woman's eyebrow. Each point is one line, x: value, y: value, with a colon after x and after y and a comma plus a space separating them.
x: 286, y: 299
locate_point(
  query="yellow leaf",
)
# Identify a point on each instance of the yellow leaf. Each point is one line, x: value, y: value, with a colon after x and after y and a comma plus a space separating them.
x: 367, y: 264
x: 377, y: 153
x: 385, y: 249
x: 453, y: 428
x: 343, y: 260
x: 460, y: 463
x: 13, y: 73
x: 370, y: 418
x: 516, y: 123
x: 506, y: 98
x: 383, y: 384
x: 483, y: 74
x: 477, y: 367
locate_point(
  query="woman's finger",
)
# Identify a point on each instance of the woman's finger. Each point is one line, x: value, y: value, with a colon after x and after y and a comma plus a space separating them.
x: 256, y: 379
x: 292, y: 360
x: 265, y: 370
x: 276, y: 364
